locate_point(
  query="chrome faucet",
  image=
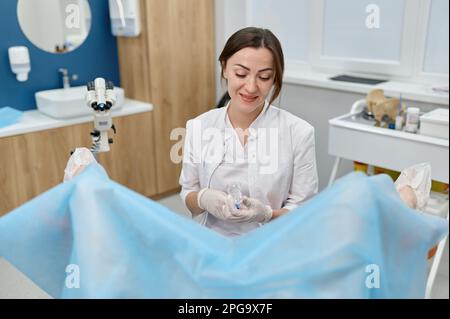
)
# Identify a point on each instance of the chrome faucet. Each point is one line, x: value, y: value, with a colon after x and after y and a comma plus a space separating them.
x: 66, y: 78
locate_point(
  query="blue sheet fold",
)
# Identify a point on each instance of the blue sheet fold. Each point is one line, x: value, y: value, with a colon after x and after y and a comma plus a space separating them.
x: 356, y: 239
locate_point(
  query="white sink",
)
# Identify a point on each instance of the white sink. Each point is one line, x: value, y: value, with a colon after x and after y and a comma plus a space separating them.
x: 71, y: 102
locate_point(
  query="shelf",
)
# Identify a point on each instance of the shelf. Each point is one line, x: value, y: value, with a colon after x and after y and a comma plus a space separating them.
x: 35, y: 121
x: 410, y: 91
x: 354, y: 138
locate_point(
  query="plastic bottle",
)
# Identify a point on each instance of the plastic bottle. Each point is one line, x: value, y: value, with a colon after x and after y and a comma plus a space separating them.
x: 399, y: 122
x: 412, y: 120
x: 234, y: 190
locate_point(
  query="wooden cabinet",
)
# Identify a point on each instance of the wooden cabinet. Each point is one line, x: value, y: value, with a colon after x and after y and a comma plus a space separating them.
x: 171, y: 65
x: 33, y: 163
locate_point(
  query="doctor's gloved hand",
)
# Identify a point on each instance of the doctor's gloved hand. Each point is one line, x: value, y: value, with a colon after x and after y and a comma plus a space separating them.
x: 253, y: 210
x: 219, y: 204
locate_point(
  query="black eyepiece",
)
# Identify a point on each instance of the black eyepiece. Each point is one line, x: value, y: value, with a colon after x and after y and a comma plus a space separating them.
x: 109, y: 85
x: 91, y: 86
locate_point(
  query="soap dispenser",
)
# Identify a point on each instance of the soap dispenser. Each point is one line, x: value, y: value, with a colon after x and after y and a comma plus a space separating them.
x: 19, y: 58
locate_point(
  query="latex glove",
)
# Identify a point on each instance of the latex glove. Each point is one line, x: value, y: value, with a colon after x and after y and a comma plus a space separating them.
x: 414, y: 185
x: 81, y: 158
x: 219, y: 204
x: 253, y: 210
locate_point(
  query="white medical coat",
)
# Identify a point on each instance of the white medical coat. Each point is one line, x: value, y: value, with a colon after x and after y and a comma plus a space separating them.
x: 280, y: 154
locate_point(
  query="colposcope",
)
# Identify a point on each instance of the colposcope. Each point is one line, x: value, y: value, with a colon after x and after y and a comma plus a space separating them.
x: 101, y: 98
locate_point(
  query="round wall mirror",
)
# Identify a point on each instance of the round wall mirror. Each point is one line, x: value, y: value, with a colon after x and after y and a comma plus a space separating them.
x: 56, y: 26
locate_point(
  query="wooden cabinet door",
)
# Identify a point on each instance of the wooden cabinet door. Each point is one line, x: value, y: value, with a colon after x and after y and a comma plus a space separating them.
x: 32, y: 163
x: 131, y: 161
x: 172, y: 65
x: 181, y: 53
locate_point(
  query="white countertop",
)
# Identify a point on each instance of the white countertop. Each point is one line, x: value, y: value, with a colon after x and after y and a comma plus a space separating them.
x: 410, y: 91
x: 346, y: 121
x: 353, y: 138
x: 34, y: 121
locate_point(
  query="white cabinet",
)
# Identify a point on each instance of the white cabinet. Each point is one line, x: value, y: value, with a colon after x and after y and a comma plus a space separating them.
x: 354, y: 138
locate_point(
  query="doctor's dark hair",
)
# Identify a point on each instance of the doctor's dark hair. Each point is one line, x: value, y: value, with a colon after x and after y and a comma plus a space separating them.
x: 256, y: 38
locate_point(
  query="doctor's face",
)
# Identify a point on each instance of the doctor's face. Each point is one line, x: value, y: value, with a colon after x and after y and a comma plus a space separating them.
x: 250, y: 76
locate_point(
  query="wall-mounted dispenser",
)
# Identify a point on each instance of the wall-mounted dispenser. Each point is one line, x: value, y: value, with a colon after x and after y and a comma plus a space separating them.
x: 125, y: 17
x: 19, y: 58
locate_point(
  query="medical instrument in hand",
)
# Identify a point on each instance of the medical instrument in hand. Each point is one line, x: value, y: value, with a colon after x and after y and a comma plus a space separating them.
x: 101, y: 98
x: 234, y: 190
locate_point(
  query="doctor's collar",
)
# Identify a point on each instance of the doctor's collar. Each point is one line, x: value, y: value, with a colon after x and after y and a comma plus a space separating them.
x: 228, y: 122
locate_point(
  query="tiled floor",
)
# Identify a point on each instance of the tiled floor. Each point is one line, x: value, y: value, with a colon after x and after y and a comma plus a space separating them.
x: 13, y: 284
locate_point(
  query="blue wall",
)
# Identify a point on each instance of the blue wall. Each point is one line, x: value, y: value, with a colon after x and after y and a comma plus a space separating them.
x: 97, y: 56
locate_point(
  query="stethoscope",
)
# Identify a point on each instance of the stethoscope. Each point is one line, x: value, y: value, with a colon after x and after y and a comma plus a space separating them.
x: 225, y: 150
x: 226, y: 145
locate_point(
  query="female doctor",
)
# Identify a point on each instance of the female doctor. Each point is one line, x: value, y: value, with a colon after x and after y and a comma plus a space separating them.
x: 269, y: 152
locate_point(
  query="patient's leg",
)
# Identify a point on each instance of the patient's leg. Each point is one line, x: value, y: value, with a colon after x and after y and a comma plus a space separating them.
x: 408, y: 196
x: 414, y: 185
x: 80, y: 159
